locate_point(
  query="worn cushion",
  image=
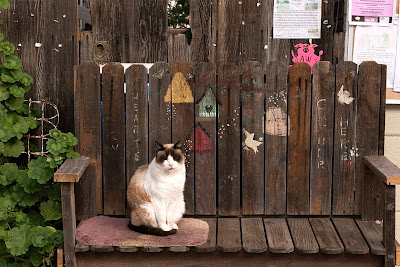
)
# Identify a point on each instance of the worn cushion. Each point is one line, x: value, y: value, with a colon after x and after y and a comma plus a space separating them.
x: 110, y: 231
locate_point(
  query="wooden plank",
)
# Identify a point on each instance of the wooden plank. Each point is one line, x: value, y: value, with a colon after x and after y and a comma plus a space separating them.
x: 253, y: 138
x: 69, y: 222
x: 302, y: 235
x: 211, y: 243
x: 397, y: 253
x: 367, y: 124
x: 200, y: 25
x: 322, y: 138
x: 278, y: 236
x: 206, y: 109
x: 127, y: 249
x: 389, y: 225
x: 338, y: 47
x: 344, y: 146
x: 351, y: 237
x: 384, y: 169
x: 276, y: 130
x: 71, y: 170
x: 179, y: 249
x: 328, y: 240
x: 87, y: 113
x: 229, y: 145
x: 81, y: 248
x: 182, y: 105
x: 178, y: 47
x: 98, y: 248
x: 373, y: 197
x: 382, y: 110
x: 86, y: 47
x: 151, y: 249
x: 159, y: 110
x: 253, y: 235
x: 373, y: 234
x: 114, y: 183
x: 84, y: 14
x: 228, y: 236
x: 137, y: 135
x: 298, y: 173
x: 60, y: 256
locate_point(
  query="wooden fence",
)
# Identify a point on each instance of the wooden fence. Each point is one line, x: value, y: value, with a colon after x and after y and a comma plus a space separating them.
x: 271, y: 141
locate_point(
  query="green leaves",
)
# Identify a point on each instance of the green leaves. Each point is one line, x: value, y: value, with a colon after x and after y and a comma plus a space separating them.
x: 29, y: 185
x: 4, y: 3
x: 12, y: 62
x: 8, y: 173
x: 18, y: 242
x: 50, y: 210
x: 7, y: 47
x: 39, y: 171
x: 13, y: 147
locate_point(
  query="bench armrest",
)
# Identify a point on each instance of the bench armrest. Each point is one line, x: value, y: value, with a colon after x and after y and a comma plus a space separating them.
x: 72, y: 170
x: 384, y: 169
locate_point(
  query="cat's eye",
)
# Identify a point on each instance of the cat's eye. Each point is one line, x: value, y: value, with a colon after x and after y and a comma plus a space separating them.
x: 176, y: 158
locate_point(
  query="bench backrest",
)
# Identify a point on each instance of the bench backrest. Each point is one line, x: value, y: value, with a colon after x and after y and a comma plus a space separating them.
x: 271, y: 141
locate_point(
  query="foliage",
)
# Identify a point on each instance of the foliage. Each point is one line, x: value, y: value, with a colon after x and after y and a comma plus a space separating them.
x: 30, y: 209
x: 178, y: 14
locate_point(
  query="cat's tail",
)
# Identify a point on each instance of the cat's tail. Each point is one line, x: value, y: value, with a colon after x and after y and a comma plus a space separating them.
x: 150, y: 230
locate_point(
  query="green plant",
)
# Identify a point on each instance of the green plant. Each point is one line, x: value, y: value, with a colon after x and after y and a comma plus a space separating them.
x: 30, y: 209
x: 178, y: 14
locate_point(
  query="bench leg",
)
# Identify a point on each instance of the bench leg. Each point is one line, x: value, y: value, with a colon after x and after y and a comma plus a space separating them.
x: 388, y: 226
x: 69, y: 222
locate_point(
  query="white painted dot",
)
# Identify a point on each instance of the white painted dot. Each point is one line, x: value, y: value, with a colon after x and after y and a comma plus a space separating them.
x: 38, y: 45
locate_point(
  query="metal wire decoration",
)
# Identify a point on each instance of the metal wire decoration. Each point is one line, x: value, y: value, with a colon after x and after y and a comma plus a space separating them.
x: 43, y: 136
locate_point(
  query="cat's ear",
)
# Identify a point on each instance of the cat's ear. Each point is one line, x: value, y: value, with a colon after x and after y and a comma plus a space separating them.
x: 178, y: 145
x: 159, y: 147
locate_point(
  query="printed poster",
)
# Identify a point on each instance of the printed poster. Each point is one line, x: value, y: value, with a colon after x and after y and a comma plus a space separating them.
x: 396, y: 87
x: 372, y: 12
x: 297, y: 19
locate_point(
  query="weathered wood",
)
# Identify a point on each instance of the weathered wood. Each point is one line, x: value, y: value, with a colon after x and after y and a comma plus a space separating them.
x: 60, y: 256
x: 298, y: 169
x: 229, y: 145
x: 200, y: 25
x: 322, y: 138
x: 303, y: 237
x: 182, y: 109
x: 384, y: 169
x: 81, y: 248
x: 338, y: 47
x: 151, y: 249
x: 278, y: 236
x: 276, y: 131
x: 127, y: 249
x: 252, y: 138
x: 87, y: 113
x: 205, y: 137
x: 389, y: 225
x: 397, y: 253
x: 178, y: 47
x: 253, y: 235
x: 98, y: 248
x: 382, y: 110
x: 211, y: 243
x: 159, y: 110
x: 69, y: 222
x: 367, y: 125
x: 373, y: 234
x: 344, y: 146
x: 328, y: 240
x: 351, y: 236
x: 373, y: 197
x: 114, y: 183
x: 71, y: 170
x: 86, y: 47
x: 228, y: 236
x: 179, y: 249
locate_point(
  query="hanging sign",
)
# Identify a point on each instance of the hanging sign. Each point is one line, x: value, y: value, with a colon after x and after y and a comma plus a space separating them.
x: 372, y: 12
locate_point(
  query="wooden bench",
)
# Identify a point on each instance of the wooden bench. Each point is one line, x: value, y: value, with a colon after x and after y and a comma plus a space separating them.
x: 284, y: 165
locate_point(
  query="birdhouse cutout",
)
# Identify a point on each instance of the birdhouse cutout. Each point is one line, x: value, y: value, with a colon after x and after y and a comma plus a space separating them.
x: 179, y: 90
x: 208, y: 105
x: 203, y: 142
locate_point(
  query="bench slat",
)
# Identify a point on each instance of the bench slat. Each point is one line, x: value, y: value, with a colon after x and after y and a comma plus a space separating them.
x: 253, y: 235
x: 126, y: 249
x: 373, y: 234
x: 210, y: 245
x: 278, y: 236
x: 102, y: 248
x: 303, y: 236
x: 228, y: 236
x: 351, y: 236
x: 328, y: 240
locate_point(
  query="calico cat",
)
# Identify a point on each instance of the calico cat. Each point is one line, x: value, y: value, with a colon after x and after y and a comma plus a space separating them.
x: 155, y: 192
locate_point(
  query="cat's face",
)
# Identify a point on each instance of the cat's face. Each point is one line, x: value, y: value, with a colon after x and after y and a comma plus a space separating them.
x: 169, y: 156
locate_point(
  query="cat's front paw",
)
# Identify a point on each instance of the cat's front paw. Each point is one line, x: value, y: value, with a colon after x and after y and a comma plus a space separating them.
x: 175, y: 226
x: 165, y: 227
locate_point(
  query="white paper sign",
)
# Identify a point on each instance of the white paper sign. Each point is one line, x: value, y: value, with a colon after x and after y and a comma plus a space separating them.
x: 396, y: 86
x: 297, y: 19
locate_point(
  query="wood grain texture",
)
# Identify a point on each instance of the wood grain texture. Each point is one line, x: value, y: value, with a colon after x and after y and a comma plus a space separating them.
x: 229, y: 145
x: 81, y: 248
x: 253, y: 235
x: 373, y: 234
x: 60, y: 256
x: 200, y: 25
x: 211, y: 243
x: 127, y: 249
x: 389, y: 225
x: 384, y: 169
x: 373, y: 197
x: 303, y: 237
x: 252, y: 138
x: 328, y: 240
x: 72, y: 170
x: 160, y: 78
x: 206, y: 143
x: 353, y: 241
x: 367, y: 124
x: 183, y: 124
x: 69, y: 222
x: 228, y: 236
x: 178, y: 47
x: 278, y: 235
x: 87, y: 113
x: 299, y: 111
x: 114, y: 183
x: 382, y: 110
x: 179, y: 249
x: 322, y: 138
x: 86, y: 47
x: 276, y: 130
x: 98, y: 248
x: 344, y: 145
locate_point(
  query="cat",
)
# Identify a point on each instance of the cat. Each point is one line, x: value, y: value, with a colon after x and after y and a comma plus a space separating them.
x: 155, y: 192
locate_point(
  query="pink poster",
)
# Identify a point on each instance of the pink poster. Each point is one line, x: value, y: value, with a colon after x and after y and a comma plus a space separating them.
x: 372, y: 12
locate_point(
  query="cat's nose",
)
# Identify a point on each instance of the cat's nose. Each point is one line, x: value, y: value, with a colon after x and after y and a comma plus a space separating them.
x: 170, y: 165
